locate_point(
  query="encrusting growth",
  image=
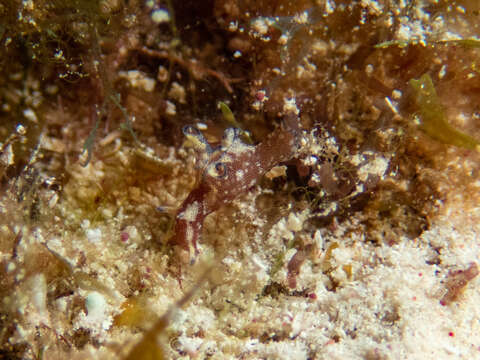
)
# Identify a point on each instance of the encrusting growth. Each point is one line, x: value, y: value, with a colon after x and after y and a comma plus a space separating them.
x: 457, y: 281
x: 228, y: 171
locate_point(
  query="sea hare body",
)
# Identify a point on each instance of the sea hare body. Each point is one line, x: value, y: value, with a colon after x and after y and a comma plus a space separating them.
x: 227, y: 172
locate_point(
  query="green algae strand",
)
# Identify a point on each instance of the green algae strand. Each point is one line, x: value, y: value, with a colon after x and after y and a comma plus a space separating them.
x: 433, y: 118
